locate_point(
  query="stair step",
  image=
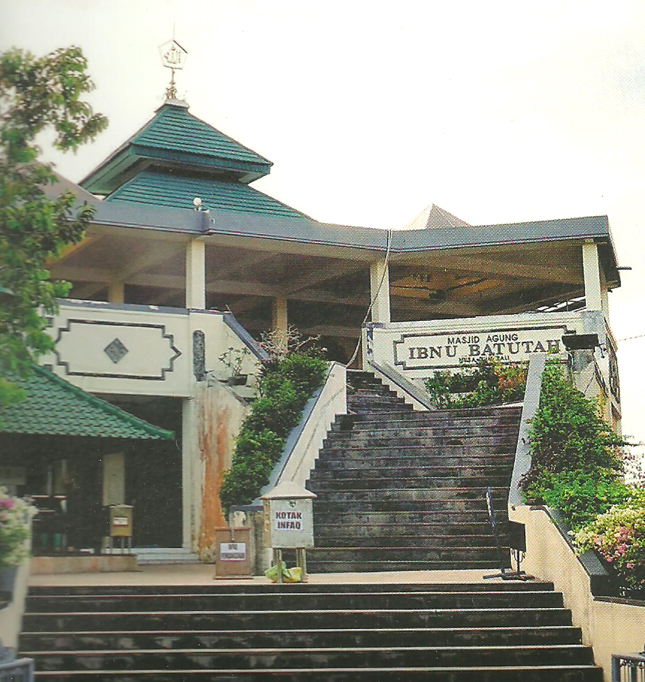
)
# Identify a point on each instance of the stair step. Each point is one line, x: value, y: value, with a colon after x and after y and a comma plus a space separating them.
x: 396, y: 517
x: 448, y: 632
x: 390, y: 554
x: 163, y: 639
x: 319, y: 484
x: 402, y: 531
x: 354, y: 458
x: 187, y: 601
x: 318, y: 657
x: 410, y: 473
x: 164, y: 555
x: 545, y: 673
x: 403, y: 542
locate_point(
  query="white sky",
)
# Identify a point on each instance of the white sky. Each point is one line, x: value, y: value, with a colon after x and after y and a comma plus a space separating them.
x: 498, y: 111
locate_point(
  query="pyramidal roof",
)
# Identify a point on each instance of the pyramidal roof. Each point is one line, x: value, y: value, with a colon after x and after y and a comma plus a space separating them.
x: 174, y: 138
x: 176, y: 157
x: 434, y: 217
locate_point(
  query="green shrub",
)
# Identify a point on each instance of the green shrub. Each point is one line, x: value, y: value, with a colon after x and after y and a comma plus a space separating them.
x: 579, y: 495
x: 577, y: 468
x: 567, y: 433
x: 489, y: 383
x: 285, y: 384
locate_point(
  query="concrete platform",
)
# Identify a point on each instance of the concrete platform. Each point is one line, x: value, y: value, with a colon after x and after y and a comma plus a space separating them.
x: 103, y: 563
x: 204, y: 574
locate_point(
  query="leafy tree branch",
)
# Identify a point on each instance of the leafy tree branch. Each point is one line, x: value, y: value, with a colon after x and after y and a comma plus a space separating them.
x: 36, y: 94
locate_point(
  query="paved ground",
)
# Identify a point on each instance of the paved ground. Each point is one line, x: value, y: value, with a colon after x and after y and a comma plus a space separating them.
x: 202, y: 574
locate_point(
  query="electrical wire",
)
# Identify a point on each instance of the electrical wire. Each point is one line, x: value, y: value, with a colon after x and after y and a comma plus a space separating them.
x: 376, y: 293
x: 631, y: 338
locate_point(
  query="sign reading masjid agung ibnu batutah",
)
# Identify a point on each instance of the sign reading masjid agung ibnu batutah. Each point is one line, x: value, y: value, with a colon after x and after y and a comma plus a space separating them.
x: 445, y: 351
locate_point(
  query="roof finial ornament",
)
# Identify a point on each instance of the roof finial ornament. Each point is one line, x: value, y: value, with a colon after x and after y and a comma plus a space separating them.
x: 173, y: 57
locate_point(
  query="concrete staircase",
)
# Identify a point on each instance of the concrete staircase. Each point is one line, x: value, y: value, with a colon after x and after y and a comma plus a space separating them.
x: 484, y: 632
x: 405, y: 490
x: 148, y: 556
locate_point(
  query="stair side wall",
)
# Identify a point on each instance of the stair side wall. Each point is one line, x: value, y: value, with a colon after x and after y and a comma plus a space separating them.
x: 608, y: 626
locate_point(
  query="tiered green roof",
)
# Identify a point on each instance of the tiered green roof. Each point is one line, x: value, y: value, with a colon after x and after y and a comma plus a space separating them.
x: 54, y: 407
x: 177, y: 157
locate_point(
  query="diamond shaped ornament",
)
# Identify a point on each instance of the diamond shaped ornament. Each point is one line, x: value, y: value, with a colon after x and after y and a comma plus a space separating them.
x: 116, y: 350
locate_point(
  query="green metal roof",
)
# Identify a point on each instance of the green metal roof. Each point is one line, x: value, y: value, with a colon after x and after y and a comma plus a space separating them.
x: 54, y: 407
x: 178, y: 191
x: 175, y: 129
x: 176, y: 139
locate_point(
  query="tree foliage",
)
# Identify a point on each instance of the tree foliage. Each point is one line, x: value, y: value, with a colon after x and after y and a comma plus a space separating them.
x: 36, y: 94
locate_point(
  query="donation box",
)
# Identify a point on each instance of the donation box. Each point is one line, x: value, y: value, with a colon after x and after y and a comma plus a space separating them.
x: 120, y: 521
x: 289, y: 517
x: 232, y: 553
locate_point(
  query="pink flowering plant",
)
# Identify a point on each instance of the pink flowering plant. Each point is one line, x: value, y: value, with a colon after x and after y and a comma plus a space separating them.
x: 15, y: 516
x: 618, y: 536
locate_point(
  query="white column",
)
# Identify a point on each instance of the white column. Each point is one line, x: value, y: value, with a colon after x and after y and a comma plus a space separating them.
x: 592, y: 276
x: 604, y: 295
x: 196, y: 274
x: 116, y: 292
x: 379, y: 275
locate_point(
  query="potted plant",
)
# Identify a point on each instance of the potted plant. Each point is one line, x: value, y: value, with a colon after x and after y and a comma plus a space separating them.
x: 233, y: 358
x: 15, y: 523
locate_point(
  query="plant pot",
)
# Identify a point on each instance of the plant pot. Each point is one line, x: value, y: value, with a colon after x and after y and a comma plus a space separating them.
x: 237, y: 380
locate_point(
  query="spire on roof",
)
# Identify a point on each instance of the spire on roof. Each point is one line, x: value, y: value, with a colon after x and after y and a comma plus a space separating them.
x: 434, y: 217
x: 173, y: 57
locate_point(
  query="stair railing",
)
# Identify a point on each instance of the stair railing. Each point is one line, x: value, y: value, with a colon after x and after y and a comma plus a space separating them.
x: 401, y: 385
x: 628, y: 667
x: 504, y: 572
x: 531, y: 402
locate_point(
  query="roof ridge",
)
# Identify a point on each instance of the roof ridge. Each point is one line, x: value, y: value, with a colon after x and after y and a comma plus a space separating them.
x: 201, y: 120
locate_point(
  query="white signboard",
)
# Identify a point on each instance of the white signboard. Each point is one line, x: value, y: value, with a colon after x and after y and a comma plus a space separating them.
x: 232, y: 551
x: 291, y: 523
x: 445, y: 351
x: 289, y: 520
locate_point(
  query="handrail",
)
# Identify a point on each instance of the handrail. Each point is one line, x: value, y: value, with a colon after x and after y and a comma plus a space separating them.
x: 531, y: 402
x: 632, y: 664
x: 403, y: 383
x: 318, y: 400
x: 244, y: 336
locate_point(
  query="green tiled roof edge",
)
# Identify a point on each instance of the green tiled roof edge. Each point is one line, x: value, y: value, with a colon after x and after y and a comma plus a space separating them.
x: 162, y: 189
x: 135, y: 422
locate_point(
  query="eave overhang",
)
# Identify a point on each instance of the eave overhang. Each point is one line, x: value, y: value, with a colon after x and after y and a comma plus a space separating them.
x: 362, y: 242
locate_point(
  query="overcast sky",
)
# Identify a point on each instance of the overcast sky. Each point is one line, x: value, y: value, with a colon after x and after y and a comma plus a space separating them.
x: 496, y: 111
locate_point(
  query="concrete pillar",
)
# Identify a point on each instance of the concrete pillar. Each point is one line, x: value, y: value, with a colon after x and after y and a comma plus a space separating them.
x: 379, y: 275
x: 189, y: 471
x: 592, y: 276
x: 114, y: 478
x: 116, y: 292
x: 196, y: 274
x: 279, y: 321
x: 604, y: 295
